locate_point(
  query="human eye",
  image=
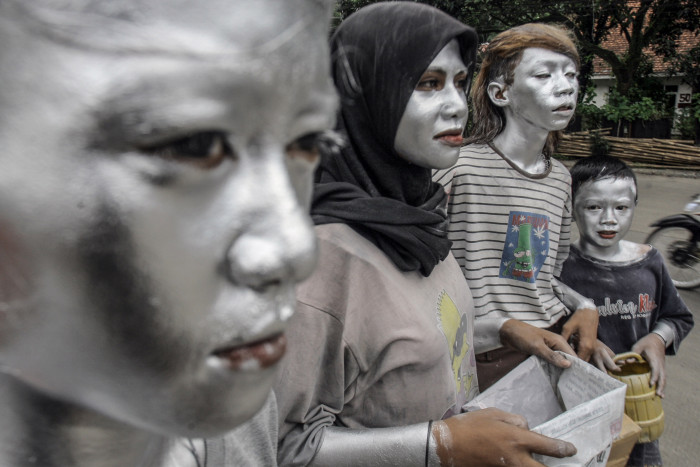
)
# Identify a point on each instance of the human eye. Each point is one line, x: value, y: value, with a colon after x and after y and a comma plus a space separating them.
x: 206, y: 149
x: 310, y: 146
x: 461, y: 81
x: 428, y: 84
x: 593, y: 207
x: 430, y: 81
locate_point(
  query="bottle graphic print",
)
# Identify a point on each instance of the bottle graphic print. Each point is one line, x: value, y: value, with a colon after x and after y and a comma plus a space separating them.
x: 523, y: 253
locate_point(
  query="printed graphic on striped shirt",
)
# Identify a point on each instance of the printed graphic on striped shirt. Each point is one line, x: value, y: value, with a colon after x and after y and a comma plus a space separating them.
x: 526, y: 246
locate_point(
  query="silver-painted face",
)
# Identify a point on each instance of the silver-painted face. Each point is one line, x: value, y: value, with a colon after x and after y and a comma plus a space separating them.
x: 604, y: 210
x: 544, y: 91
x: 431, y: 127
x: 154, y: 187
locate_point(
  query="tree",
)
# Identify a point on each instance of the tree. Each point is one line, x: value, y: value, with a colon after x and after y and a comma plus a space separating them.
x: 645, y: 25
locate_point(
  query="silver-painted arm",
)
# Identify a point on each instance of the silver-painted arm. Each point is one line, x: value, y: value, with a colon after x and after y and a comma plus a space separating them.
x: 405, y: 446
x: 487, y: 333
x: 665, y: 332
x: 570, y: 298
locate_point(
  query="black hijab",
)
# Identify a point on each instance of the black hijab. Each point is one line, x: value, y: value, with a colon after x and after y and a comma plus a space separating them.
x: 379, y: 54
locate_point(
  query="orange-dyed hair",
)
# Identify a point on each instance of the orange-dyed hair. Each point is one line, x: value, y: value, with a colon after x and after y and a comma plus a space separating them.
x: 499, y: 61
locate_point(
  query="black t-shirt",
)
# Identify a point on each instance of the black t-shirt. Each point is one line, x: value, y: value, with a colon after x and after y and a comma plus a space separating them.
x: 631, y: 297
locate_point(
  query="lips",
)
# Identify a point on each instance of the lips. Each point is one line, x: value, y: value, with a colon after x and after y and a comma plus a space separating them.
x: 607, y: 234
x: 450, y: 137
x: 255, y: 355
x: 564, y: 108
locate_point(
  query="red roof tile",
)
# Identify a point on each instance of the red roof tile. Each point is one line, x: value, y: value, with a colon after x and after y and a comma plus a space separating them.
x: 617, y: 43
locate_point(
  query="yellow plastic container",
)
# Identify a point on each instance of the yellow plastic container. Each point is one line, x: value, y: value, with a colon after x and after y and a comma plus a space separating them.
x: 641, y: 402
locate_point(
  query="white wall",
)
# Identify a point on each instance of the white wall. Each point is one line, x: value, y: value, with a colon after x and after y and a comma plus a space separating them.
x: 602, y: 87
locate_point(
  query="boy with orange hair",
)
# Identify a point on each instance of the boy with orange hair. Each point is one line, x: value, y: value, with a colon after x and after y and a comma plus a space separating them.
x: 510, y: 202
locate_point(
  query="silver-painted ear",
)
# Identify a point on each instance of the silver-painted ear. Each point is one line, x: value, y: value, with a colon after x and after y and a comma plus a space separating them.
x: 497, y: 93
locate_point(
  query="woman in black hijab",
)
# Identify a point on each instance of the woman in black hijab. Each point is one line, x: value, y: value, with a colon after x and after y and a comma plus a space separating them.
x: 367, y: 185
x: 382, y: 339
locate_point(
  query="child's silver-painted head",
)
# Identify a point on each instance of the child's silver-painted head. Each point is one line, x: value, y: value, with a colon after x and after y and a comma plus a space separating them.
x: 153, y: 200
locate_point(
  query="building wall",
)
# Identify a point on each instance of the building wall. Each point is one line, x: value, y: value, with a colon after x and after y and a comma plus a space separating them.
x: 602, y: 88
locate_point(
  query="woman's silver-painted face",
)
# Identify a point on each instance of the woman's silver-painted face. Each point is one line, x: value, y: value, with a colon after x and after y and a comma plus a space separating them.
x: 604, y: 210
x: 430, y: 131
x: 154, y: 186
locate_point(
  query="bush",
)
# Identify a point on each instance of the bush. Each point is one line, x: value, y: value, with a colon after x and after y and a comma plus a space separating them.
x: 590, y: 115
x: 599, y: 145
x: 620, y: 110
x: 688, y: 118
x: 621, y: 107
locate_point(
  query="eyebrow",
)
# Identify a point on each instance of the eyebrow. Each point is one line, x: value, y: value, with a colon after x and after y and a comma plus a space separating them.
x: 554, y: 63
x: 442, y: 70
x: 123, y: 116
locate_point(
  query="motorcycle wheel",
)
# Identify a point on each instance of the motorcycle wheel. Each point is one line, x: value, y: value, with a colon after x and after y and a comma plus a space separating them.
x: 681, y: 254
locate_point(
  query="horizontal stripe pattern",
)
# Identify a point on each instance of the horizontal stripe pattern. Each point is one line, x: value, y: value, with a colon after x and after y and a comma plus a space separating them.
x: 483, y: 190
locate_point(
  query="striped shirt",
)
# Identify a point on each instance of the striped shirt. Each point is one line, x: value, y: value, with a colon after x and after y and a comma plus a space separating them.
x: 511, y: 233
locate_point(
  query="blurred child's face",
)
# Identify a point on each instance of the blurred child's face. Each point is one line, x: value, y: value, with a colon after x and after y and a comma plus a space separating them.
x: 603, y: 210
x: 153, y: 201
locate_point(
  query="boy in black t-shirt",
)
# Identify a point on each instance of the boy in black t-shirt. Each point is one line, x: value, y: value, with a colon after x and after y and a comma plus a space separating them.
x: 640, y: 309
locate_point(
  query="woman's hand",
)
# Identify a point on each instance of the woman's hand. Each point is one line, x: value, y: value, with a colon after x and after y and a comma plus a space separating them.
x: 653, y: 349
x: 492, y: 437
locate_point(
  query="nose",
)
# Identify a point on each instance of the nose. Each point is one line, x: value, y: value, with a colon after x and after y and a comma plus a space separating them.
x: 609, y: 216
x: 277, y: 244
x: 454, y: 103
x: 273, y: 253
x: 565, y: 84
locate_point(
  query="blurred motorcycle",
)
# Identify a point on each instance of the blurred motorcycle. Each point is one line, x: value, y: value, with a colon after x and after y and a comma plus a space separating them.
x: 677, y: 238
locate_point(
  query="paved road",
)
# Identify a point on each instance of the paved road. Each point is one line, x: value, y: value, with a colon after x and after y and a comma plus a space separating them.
x: 661, y: 196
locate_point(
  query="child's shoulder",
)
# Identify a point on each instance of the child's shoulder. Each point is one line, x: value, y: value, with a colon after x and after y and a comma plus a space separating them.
x: 628, y: 253
x: 634, y: 251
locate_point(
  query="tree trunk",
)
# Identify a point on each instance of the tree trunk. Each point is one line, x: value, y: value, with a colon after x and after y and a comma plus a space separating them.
x: 697, y: 120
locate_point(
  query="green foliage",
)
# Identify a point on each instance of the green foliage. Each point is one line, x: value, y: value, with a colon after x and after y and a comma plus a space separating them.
x: 686, y: 65
x: 590, y: 114
x: 646, y: 25
x: 689, y: 118
x: 685, y: 123
x: 619, y: 108
x: 646, y: 109
x: 655, y: 24
x: 344, y: 8
x: 599, y: 145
